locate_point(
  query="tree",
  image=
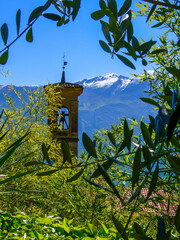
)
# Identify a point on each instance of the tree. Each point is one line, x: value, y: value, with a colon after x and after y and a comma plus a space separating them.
x: 156, y: 155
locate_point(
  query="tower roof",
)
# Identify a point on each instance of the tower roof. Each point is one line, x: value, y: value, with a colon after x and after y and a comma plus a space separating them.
x: 63, y: 77
x: 70, y: 85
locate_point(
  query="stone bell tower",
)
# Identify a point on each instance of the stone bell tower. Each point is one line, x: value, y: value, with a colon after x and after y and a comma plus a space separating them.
x: 67, y: 115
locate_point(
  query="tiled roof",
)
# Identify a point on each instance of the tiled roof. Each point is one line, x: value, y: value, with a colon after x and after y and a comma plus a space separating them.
x: 66, y: 85
x: 160, y: 202
x: 70, y: 85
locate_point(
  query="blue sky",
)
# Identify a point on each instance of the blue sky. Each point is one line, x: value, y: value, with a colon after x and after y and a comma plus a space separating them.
x: 41, y: 62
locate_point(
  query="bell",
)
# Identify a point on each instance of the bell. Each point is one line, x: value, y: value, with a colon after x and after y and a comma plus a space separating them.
x: 63, y: 121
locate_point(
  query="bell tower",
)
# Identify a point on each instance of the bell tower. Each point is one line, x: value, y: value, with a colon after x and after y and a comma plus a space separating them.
x: 67, y: 114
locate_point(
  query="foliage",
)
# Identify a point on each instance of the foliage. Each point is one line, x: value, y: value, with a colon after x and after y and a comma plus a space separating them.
x: 36, y: 226
x: 39, y: 191
x: 30, y: 116
x: 22, y: 226
x: 8, y: 152
x: 25, y: 131
x: 154, y: 161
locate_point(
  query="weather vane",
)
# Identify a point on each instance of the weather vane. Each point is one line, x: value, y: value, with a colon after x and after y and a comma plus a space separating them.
x: 63, y: 72
x: 64, y: 62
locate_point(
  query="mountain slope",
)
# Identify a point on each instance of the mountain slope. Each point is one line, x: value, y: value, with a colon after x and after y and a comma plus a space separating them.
x: 108, y: 97
x: 104, y: 100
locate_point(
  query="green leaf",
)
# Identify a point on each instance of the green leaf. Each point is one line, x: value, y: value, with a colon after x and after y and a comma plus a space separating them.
x: 76, y: 7
x: 47, y: 4
x: 127, y: 135
x: 1, y: 114
x: 119, y: 227
x: 144, y: 62
x: 175, y: 141
x: 113, y: 7
x: 122, y: 164
x: 66, y: 21
x: 89, y: 145
x: 129, y: 31
x: 159, y: 24
x: 125, y: 7
x: 109, y: 182
x: 66, y: 152
x: 18, y: 17
x: 102, y: 4
x: 3, y: 135
x: 178, y: 43
x: 106, y: 31
x: 147, y: 157
x: 113, y: 26
x: 29, y: 35
x: 152, y: 124
x: 112, y: 138
x: 151, y: 12
x: 122, y: 146
x: 119, y: 44
x: 173, y: 122
x: 136, y: 167
x: 35, y: 13
x: 174, y: 162
x: 4, y: 57
x: 61, y: 21
x: 105, y: 46
x: 4, y: 122
x: 126, y: 61
x: 157, y: 51
x: 123, y: 27
x: 153, y: 181
x: 92, y: 229
x: 106, y: 165
x: 47, y: 173
x: 145, y: 47
x: 177, y: 219
x: 45, y: 153
x: 174, y: 71
x: 76, y: 176
x: 146, y: 135
x: 135, y: 194
x: 99, y: 14
x: 52, y: 16
x: 4, y: 33
x: 135, y: 43
x: 105, y: 229
x: 150, y: 101
x: 131, y: 50
x: 5, y: 155
x: 68, y: 4
x: 161, y: 229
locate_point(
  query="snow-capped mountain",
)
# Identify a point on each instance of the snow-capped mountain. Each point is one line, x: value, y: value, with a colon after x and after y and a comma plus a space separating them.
x: 104, y: 100
x: 106, y: 81
x: 107, y: 98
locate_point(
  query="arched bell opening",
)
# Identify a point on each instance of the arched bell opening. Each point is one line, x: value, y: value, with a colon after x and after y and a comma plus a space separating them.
x: 63, y: 119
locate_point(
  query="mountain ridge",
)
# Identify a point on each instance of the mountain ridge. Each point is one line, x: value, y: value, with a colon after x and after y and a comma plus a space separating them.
x: 104, y: 100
